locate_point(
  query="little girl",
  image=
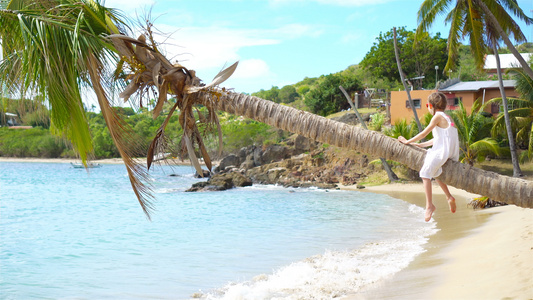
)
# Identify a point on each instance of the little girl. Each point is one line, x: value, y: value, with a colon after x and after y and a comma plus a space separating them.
x: 445, y: 144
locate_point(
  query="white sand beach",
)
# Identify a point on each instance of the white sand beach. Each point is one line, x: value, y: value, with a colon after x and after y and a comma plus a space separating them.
x: 477, y: 254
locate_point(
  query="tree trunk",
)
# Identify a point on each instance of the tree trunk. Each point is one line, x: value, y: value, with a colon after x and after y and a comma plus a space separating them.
x: 492, y: 19
x: 402, y: 77
x: 510, y: 136
x: 498, y: 187
x: 390, y: 173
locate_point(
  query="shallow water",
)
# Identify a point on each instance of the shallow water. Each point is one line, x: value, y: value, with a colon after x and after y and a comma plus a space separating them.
x: 69, y: 234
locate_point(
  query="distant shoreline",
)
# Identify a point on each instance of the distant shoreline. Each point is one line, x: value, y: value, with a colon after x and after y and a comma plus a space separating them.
x: 174, y: 162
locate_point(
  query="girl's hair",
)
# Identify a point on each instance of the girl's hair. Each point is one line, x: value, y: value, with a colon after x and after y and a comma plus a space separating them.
x: 438, y: 100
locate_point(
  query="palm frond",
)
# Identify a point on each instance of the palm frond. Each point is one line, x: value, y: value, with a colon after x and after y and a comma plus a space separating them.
x: 456, y: 19
x: 486, y: 146
x: 147, y: 68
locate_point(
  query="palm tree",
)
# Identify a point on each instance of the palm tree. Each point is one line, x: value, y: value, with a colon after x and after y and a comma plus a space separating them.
x: 485, y: 23
x: 480, y: 21
x: 403, y: 79
x: 148, y: 69
x: 473, y: 130
x: 521, y: 115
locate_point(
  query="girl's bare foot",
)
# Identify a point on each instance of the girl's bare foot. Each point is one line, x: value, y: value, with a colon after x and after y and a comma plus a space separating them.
x: 429, y: 212
x: 451, y: 203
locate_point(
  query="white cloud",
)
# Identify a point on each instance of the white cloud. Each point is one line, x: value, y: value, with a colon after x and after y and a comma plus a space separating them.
x: 252, y: 68
x: 210, y: 47
x: 202, y: 48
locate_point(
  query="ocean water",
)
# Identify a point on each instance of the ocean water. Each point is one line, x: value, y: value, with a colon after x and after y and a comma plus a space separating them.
x: 69, y: 234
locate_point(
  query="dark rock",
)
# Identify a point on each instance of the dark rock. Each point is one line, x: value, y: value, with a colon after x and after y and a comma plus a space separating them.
x: 243, y: 153
x: 275, y: 173
x: 221, y: 182
x: 197, y: 186
x: 230, y: 160
x: 325, y: 186
x: 257, y: 155
x: 348, y: 118
x: 274, y: 153
x: 363, y: 162
x: 248, y: 162
x: 303, y: 144
x: 205, y: 174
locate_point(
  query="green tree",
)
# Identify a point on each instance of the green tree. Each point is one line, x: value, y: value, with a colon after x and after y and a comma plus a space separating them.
x: 325, y: 99
x: 417, y: 60
x: 287, y: 94
x: 272, y: 94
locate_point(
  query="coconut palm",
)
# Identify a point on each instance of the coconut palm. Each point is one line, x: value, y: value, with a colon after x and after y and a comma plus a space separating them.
x: 146, y: 69
x: 485, y: 22
x: 481, y: 21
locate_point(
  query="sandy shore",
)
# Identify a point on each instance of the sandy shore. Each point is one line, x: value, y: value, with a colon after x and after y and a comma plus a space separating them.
x: 477, y: 254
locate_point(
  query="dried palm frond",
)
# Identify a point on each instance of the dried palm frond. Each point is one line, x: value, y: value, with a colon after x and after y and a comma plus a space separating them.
x: 148, y: 68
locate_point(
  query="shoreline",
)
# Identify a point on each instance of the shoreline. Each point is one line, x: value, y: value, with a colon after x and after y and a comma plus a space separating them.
x: 476, y: 254
x: 114, y: 161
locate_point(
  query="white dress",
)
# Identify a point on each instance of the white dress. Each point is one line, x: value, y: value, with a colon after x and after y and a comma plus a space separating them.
x: 445, y: 146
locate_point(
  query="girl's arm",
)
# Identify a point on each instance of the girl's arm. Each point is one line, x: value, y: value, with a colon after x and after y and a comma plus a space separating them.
x: 424, y: 144
x: 434, y: 121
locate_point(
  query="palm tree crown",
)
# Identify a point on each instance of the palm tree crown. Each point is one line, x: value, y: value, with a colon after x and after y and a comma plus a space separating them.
x: 469, y: 21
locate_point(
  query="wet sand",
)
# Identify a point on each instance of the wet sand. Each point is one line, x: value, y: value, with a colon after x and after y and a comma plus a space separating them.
x: 477, y: 254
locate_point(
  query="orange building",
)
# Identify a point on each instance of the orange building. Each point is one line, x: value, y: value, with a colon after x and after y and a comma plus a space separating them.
x: 465, y: 92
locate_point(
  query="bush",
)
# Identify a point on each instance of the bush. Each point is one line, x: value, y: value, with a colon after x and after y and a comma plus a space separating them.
x: 35, y: 142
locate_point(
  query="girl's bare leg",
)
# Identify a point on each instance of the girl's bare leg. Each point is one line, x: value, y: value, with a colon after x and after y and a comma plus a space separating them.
x: 430, y: 208
x: 449, y: 197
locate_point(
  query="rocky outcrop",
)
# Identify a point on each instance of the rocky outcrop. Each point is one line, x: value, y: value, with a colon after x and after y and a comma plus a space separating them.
x: 254, y: 156
x: 320, y: 168
x: 221, y: 182
x: 298, y: 163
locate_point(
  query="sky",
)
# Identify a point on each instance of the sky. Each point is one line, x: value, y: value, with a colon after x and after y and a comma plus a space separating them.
x: 277, y: 42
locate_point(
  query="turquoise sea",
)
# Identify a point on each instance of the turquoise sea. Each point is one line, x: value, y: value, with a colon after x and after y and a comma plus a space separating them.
x: 69, y: 234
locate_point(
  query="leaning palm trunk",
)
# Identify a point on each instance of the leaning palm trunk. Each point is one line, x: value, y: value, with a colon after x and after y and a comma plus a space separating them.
x: 498, y: 187
x: 152, y: 69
